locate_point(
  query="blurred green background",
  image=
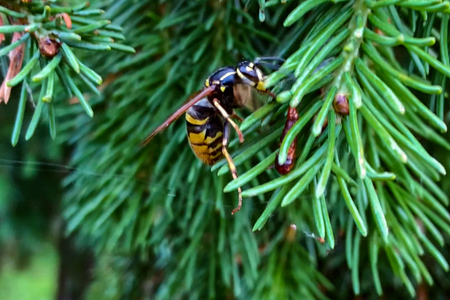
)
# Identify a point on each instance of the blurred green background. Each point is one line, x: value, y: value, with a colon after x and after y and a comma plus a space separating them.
x: 33, y: 251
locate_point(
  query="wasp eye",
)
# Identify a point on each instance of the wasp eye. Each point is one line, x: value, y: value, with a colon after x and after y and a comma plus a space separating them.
x: 249, y: 73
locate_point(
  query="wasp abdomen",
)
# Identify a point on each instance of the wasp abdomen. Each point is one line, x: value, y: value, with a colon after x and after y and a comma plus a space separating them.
x: 205, y: 131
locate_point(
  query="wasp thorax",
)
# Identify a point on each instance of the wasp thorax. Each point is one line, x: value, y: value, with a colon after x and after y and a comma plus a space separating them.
x: 251, y: 75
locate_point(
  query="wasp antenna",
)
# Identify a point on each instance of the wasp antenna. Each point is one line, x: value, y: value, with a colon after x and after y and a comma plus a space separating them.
x: 268, y: 58
x: 268, y: 65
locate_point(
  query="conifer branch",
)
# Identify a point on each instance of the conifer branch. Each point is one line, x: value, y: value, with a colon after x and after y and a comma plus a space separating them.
x: 47, y: 32
x: 362, y: 163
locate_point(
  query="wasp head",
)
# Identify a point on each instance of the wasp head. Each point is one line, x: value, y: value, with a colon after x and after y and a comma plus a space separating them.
x: 251, y: 75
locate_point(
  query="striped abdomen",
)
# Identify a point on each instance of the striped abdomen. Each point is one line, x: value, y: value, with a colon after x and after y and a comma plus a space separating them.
x: 205, y: 131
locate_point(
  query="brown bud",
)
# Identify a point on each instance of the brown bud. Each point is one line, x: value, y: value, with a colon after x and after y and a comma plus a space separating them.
x: 49, y: 47
x: 288, y: 165
x: 2, y: 36
x: 340, y: 104
x: 15, y: 65
x: 291, y: 118
x: 291, y: 232
x: 67, y: 20
x: 321, y: 240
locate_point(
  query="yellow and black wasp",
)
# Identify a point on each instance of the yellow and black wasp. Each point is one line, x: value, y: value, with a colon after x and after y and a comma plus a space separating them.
x: 209, y: 114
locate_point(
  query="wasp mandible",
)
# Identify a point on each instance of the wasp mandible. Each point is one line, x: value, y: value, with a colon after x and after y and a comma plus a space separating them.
x: 210, y: 113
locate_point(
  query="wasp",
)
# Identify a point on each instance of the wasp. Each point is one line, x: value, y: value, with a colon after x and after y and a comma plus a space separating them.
x: 210, y: 113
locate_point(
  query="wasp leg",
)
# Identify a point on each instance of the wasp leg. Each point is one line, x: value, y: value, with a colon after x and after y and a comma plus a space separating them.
x: 271, y: 94
x: 226, y: 134
x: 268, y: 92
x: 236, y: 117
x: 224, y: 113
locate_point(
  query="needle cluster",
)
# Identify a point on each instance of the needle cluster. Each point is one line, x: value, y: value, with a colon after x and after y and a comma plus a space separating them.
x: 363, y: 204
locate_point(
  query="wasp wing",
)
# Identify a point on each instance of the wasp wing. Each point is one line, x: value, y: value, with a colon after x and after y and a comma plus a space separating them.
x: 178, y: 113
x: 245, y: 95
